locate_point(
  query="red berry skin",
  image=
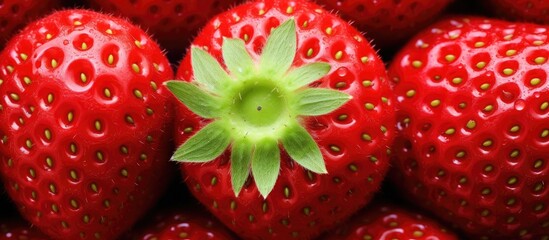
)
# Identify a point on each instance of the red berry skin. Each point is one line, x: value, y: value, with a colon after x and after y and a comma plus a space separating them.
x: 472, y: 125
x: 85, y: 121
x: 18, y: 229
x: 173, y: 23
x: 14, y: 14
x: 384, y: 221
x: 521, y: 10
x: 353, y: 140
x: 182, y: 223
x: 388, y: 23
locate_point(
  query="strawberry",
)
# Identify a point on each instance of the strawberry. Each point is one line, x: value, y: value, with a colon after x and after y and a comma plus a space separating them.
x: 388, y: 23
x: 472, y: 131
x: 15, y: 13
x: 524, y: 10
x: 284, y: 132
x: 18, y: 229
x: 182, y: 223
x: 85, y: 120
x: 173, y: 23
x: 385, y: 221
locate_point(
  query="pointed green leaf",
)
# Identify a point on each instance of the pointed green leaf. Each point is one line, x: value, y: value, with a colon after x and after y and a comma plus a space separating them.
x: 266, y: 166
x: 207, y: 144
x: 198, y: 101
x: 306, y: 74
x: 241, y: 157
x: 207, y: 70
x: 236, y: 57
x: 319, y: 101
x: 279, y: 52
x: 303, y: 149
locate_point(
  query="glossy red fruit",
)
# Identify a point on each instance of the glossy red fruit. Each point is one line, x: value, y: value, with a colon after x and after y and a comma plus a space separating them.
x: 173, y: 23
x: 14, y: 14
x: 383, y: 221
x: 473, y: 129
x: 352, y: 141
x: 520, y: 10
x: 182, y: 223
x: 17, y: 229
x: 388, y: 23
x: 85, y: 118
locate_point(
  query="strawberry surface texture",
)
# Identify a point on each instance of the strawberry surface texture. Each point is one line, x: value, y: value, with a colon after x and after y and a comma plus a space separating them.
x: 472, y: 126
x: 85, y: 124
x: 286, y: 121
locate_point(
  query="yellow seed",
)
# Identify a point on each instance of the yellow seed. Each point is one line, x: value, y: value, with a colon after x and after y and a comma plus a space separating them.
x: 50, y: 98
x: 329, y: 30
x: 124, y: 172
x: 48, y: 36
x: 535, y: 81
x: 70, y: 116
x: 129, y: 119
x: 508, y: 37
x: 366, y: 83
x: 99, y: 156
x: 54, y: 63
x: 471, y: 124
x: 97, y: 125
x: 23, y: 56
x: 435, y: 103
x: 83, y: 77
x: 73, y: 148
x: 289, y: 10
x: 14, y: 96
x: 310, y: 52
x: 84, y: 46
x: 107, y: 93
x: 417, y: 64
x: 10, y: 68
x: 77, y: 23
x: 487, y: 143
x: 479, y: 44
x: 110, y: 59
x: 540, y: 60
x: 154, y: 86
x: 460, y: 154
x: 481, y: 65
x: 485, y: 86
x: 508, y: 71
x: 511, y: 52
x: 136, y: 68
x: 137, y: 43
x: 338, y: 55
x: 544, y: 105
x: 488, y: 108
x: 369, y: 106
x: 364, y: 59
x: 138, y: 94
x: 47, y: 134
x: 27, y: 80
x: 28, y: 143
x: 514, y: 153
x: 366, y: 137
x: 512, y: 180
x: 450, y: 131
x: 450, y: 57
x: 457, y: 80
x: 410, y: 93
x: 538, y: 42
x: 261, y: 11
x: 544, y: 133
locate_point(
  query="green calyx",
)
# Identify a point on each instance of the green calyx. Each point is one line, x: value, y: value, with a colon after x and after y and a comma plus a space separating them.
x: 255, y: 107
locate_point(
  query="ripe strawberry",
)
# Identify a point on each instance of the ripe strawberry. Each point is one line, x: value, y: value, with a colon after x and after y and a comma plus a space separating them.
x: 388, y: 22
x: 525, y: 10
x: 183, y: 223
x: 173, y: 23
x: 306, y: 108
x: 473, y: 135
x: 84, y: 133
x: 383, y: 221
x: 18, y: 229
x: 14, y: 14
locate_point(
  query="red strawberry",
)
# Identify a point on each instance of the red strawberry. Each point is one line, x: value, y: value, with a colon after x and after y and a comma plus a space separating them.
x: 473, y: 130
x: 84, y: 133
x: 312, y: 127
x: 15, y: 13
x: 173, y: 23
x: 388, y: 22
x: 17, y: 229
x: 383, y: 221
x: 525, y: 10
x: 183, y: 223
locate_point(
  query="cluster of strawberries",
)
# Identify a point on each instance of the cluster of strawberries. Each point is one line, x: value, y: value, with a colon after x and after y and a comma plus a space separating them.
x: 274, y: 119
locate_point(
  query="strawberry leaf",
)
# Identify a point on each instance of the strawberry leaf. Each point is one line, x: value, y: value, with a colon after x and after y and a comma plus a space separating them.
x: 241, y: 157
x: 198, y: 101
x: 237, y: 59
x: 205, y: 145
x: 306, y: 74
x: 280, y: 50
x: 266, y: 165
x: 319, y: 101
x: 207, y: 71
x: 303, y: 149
